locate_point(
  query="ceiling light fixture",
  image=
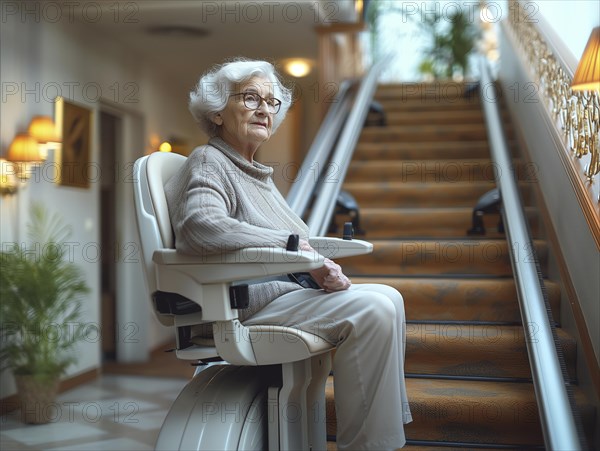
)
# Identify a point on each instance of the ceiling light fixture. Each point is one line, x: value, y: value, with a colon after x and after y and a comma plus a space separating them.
x: 297, y: 67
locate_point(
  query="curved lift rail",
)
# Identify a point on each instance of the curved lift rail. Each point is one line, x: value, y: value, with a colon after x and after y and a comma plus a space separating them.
x: 323, y: 154
x: 556, y: 416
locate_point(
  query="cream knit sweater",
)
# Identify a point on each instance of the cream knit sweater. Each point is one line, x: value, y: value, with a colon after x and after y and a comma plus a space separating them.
x: 220, y: 202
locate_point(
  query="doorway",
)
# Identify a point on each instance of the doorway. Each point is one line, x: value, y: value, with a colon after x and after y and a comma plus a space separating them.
x: 109, y: 143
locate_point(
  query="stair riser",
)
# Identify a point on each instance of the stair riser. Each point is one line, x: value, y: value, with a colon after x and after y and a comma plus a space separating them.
x: 417, y: 194
x: 434, y: 117
x: 401, y: 224
x: 403, y: 151
x: 449, y: 91
x: 407, y: 226
x: 432, y: 171
x: 424, y: 172
x: 460, y: 133
x: 474, y: 350
x: 436, y: 103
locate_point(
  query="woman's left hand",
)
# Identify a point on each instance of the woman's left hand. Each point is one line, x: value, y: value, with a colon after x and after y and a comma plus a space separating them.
x: 333, y: 279
x: 329, y: 276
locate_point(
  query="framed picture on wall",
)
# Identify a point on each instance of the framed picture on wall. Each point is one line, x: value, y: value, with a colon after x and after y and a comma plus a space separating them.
x: 75, y: 125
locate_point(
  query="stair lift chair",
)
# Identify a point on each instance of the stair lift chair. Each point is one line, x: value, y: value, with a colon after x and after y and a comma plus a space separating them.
x: 264, y: 386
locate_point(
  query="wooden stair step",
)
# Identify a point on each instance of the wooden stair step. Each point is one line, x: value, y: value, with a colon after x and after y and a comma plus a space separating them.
x: 440, y: 257
x: 469, y: 411
x: 434, y: 150
x: 332, y: 446
x: 402, y: 223
x: 475, y: 350
x: 460, y: 299
x: 411, y: 133
x: 429, y: 104
x: 464, y: 170
x: 398, y: 194
x: 434, y: 171
x: 417, y: 88
x: 465, y: 411
x: 441, y: 222
x: 433, y: 117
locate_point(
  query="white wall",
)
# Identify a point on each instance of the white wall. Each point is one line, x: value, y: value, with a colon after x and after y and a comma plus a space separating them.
x: 576, y: 241
x: 572, y: 20
x: 40, y: 60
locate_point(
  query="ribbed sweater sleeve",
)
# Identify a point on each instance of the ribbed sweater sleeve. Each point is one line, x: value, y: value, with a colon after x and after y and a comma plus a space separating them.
x: 220, y: 202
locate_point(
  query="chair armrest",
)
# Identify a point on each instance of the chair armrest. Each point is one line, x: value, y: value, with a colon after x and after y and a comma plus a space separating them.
x: 339, y: 248
x: 205, y: 279
x: 250, y: 263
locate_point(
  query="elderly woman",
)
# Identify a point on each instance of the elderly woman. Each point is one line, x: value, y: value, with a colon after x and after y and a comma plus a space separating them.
x: 223, y: 200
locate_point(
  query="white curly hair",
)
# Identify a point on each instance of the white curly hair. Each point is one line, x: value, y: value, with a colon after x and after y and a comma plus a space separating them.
x: 212, y: 92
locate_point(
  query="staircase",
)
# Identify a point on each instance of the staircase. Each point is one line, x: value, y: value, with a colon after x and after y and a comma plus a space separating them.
x: 416, y: 180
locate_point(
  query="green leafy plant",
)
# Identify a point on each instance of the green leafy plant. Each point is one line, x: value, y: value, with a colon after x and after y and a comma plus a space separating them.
x: 40, y: 304
x: 451, y: 36
x: 452, y: 40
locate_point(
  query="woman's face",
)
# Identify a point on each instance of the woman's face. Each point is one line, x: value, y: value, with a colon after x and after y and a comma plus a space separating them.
x: 243, y: 128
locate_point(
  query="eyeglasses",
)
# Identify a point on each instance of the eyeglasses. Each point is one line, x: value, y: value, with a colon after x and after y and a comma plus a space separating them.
x: 252, y: 101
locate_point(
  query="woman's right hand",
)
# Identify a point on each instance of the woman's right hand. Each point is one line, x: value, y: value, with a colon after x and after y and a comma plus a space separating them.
x: 330, y: 276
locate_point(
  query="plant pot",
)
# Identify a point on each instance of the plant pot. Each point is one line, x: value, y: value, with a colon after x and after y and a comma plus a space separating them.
x: 37, y: 395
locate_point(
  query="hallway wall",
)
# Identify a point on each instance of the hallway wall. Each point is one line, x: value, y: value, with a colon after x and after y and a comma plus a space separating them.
x: 39, y: 60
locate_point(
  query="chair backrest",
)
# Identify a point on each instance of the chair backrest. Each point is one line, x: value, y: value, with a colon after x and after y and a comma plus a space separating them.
x: 151, y: 173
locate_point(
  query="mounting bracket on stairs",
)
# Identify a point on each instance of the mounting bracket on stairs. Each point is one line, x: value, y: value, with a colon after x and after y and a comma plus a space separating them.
x: 346, y: 204
x: 490, y: 202
x: 376, y: 115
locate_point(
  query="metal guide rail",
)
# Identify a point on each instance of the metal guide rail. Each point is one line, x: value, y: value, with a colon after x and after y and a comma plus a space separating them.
x: 556, y: 416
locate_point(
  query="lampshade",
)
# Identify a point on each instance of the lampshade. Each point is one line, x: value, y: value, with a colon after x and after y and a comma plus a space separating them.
x: 587, y: 75
x: 42, y: 128
x: 24, y: 148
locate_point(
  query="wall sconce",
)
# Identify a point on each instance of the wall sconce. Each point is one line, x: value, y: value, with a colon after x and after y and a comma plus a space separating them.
x: 8, y: 179
x: 171, y: 144
x: 297, y: 67
x: 165, y: 147
x: 24, y: 154
x: 43, y: 130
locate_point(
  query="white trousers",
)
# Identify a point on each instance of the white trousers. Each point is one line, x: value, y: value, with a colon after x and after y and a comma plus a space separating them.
x: 367, y: 325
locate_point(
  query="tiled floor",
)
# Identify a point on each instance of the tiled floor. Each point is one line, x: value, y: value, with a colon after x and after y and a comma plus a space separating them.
x: 113, y: 412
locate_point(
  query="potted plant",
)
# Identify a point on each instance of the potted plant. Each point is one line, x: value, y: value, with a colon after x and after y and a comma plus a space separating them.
x: 452, y: 41
x: 451, y: 35
x: 40, y: 292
